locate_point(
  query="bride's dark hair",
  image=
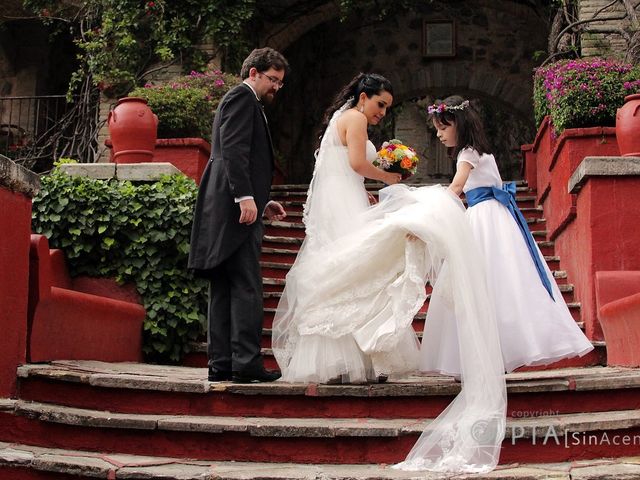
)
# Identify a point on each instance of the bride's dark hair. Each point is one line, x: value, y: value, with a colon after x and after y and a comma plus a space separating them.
x: 369, y: 83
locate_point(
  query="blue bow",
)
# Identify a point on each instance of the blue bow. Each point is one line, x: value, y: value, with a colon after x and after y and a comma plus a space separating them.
x: 507, y: 197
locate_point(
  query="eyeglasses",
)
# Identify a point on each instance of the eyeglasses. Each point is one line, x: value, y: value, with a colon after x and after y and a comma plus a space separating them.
x: 276, y: 81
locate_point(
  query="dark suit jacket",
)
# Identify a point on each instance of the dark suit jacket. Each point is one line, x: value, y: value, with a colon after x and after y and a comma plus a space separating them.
x: 241, y: 164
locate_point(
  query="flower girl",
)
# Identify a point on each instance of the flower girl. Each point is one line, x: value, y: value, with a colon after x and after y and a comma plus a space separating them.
x: 534, y: 323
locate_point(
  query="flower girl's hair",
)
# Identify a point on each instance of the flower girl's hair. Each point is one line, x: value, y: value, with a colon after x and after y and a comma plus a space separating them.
x: 469, y: 130
x: 369, y: 83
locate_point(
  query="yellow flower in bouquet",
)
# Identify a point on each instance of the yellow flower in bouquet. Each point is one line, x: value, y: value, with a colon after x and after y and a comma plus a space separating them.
x: 396, y: 157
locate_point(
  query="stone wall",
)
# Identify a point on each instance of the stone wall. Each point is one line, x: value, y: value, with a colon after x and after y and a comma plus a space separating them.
x: 600, y: 38
x: 495, y: 45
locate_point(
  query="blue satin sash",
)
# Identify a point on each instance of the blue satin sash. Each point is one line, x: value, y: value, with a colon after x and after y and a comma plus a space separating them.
x: 507, y: 197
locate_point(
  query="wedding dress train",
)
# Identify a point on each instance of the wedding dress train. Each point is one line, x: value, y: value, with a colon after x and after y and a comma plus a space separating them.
x: 349, y: 303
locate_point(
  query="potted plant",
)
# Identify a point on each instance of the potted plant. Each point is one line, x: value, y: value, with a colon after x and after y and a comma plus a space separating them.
x: 582, y: 93
x: 185, y: 108
x: 575, y: 103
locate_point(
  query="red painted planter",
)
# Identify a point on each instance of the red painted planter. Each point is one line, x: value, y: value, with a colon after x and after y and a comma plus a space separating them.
x: 133, y: 128
x: 628, y: 126
x: 543, y: 145
x: 189, y: 155
x: 570, y: 149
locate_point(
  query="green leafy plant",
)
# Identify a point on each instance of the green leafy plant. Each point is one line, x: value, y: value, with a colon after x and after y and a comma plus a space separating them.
x: 136, y: 233
x: 584, y: 92
x: 121, y: 41
x: 186, y: 106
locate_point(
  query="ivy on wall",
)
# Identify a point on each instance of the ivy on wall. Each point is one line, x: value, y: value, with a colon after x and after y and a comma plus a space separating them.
x: 121, y: 41
x: 136, y: 233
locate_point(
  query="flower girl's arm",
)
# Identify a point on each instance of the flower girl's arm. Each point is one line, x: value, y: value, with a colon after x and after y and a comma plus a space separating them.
x: 356, y: 136
x: 460, y: 178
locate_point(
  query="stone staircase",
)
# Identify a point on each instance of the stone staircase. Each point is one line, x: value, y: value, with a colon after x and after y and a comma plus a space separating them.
x: 84, y: 419
x: 282, y: 241
x: 94, y: 419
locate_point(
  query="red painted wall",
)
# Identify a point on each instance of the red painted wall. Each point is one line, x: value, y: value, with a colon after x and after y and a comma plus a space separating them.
x: 605, y: 235
x: 570, y: 149
x: 15, y: 228
x: 542, y: 147
x: 529, y: 166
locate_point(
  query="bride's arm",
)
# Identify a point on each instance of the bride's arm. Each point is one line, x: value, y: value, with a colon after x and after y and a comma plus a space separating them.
x: 356, y: 136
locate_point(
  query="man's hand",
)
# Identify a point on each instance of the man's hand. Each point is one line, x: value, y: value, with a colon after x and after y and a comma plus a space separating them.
x: 274, y: 211
x: 248, y: 211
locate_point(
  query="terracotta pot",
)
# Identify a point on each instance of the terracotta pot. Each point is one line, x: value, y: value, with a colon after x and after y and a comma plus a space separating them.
x: 133, y: 129
x: 628, y: 126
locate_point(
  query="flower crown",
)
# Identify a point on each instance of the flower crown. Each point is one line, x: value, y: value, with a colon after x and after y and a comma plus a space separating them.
x: 441, y: 107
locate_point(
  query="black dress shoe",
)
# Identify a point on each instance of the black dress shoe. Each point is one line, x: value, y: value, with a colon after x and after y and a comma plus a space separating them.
x: 219, y: 375
x: 255, y: 376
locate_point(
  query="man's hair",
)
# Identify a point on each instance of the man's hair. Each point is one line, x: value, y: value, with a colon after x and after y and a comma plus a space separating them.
x: 263, y: 59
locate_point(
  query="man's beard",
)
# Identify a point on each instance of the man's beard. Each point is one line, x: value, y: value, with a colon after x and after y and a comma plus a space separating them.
x: 268, y: 97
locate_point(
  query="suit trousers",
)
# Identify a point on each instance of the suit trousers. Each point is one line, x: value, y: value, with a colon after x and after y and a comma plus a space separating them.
x: 236, y: 308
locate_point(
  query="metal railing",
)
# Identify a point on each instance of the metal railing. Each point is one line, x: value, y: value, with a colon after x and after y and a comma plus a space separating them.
x: 31, y: 126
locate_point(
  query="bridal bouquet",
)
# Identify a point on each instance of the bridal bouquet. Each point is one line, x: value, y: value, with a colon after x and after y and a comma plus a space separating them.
x: 396, y: 157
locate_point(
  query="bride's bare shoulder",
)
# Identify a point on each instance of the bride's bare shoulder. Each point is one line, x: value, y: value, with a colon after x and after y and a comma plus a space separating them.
x: 352, y: 118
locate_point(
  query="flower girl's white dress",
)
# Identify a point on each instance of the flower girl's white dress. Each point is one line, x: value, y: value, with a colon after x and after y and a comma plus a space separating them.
x: 534, y: 329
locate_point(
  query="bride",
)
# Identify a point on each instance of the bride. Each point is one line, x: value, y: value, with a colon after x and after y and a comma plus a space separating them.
x: 335, y: 202
x: 359, y: 279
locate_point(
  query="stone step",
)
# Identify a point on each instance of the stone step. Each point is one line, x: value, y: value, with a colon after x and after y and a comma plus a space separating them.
x: 279, y: 264
x: 274, y: 283
x: 551, y: 438
x: 293, y: 243
x: 30, y: 462
x: 418, y: 322
x: 271, y: 299
x: 170, y: 390
x: 521, y: 186
x: 198, y: 356
x: 295, y: 203
x: 296, y: 229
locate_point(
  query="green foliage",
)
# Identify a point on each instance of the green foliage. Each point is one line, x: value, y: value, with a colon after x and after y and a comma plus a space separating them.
x: 136, y: 233
x: 120, y: 39
x: 378, y: 8
x: 185, y: 107
x: 584, y: 92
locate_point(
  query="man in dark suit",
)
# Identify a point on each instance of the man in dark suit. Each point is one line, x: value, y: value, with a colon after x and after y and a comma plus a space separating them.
x: 227, y: 227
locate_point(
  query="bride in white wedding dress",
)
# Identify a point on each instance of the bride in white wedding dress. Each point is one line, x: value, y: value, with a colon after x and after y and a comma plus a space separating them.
x: 358, y: 281
x: 336, y: 200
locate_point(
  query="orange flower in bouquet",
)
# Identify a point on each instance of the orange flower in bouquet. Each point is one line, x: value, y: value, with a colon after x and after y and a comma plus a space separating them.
x: 396, y: 157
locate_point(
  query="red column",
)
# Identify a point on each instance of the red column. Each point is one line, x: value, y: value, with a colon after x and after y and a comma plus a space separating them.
x: 17, y: 187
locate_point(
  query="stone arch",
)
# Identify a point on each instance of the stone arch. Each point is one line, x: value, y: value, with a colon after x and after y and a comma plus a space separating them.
x: 494, y: 63
x: 280, y: 36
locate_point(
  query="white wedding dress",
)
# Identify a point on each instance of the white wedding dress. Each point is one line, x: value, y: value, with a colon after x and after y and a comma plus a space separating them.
x: 317, y: 338
x: 350, y: 298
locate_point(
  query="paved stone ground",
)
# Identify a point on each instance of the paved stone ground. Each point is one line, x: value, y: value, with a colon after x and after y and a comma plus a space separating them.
x: 116, y: 466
